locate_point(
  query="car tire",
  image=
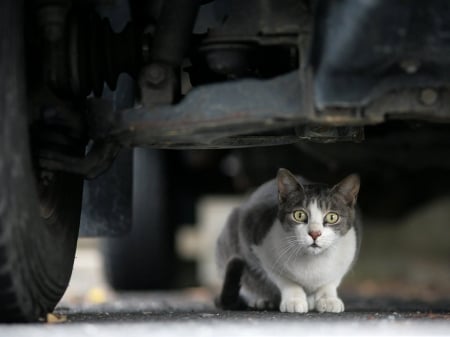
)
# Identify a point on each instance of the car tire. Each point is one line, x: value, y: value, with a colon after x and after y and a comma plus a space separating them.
x: 144, y: 258
x: 36, y: 255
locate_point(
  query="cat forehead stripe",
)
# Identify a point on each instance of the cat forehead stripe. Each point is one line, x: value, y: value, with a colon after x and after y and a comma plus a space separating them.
x: 315, y: 213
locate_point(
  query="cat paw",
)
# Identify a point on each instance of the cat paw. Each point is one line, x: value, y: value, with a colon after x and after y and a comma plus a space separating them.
x: 261, y: 304
x: 299, y: 305
x: 329, y: 304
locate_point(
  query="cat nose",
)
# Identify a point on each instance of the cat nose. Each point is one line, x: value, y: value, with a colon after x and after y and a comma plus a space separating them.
x: 315, y: 234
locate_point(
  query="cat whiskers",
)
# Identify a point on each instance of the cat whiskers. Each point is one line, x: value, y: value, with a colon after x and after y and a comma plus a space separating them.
x: 286, y: 250
x: 291, y: 245
x: 294, y: 254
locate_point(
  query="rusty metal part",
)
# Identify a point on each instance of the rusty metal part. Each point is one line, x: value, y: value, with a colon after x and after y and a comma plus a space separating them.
x: 253, y: 112
x: 159, y: 84
x: 159, y: 80
x: 241, y: 114
x: 330, y: 134
x: 213, y: 116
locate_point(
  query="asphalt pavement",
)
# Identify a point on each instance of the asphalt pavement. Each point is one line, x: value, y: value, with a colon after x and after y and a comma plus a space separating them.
x: 191, y: 312
x: 400, y: 290
x: 91, y: 308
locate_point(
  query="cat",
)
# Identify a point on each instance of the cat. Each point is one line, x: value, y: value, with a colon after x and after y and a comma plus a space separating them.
x: 289, y: 246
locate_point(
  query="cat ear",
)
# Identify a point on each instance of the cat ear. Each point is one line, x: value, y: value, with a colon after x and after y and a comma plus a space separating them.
x: 287, y: 183
x: 348, y: 188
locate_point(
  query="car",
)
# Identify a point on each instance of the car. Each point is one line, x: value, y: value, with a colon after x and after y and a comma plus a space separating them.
x: 351, y: 85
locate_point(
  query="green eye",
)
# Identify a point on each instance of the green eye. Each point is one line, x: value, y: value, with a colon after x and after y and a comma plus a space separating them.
x: 300, y: 216
x: 331, y: 218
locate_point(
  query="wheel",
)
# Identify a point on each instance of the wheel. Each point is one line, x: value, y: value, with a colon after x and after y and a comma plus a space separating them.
x: 144, y: 258
x: 36, y: 253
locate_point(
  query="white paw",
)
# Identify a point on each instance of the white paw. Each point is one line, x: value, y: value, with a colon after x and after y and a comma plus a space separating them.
x: 261, y: 304
x: 329, y: 304
x: 299, y: 305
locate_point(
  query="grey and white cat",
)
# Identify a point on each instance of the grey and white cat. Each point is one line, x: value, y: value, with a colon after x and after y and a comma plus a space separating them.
x: 289, y: 246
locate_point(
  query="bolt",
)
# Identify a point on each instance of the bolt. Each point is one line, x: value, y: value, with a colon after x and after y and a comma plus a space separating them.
x: 410, y: 66
x: 428, y: 96
x: 155, y: 74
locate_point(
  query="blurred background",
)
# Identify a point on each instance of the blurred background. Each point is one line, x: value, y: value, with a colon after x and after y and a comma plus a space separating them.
x: 404, y: 254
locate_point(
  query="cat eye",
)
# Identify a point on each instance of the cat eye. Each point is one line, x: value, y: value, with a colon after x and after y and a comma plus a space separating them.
x: 331, y: 218
x: 300, y: 216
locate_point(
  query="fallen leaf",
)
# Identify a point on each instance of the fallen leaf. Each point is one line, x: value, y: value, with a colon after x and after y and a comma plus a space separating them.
x: 52, y: 318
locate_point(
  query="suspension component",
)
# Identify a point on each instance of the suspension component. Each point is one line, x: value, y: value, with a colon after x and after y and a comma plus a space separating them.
x: 81, y: 52
x: 99, y: 55
x: 159, y: 80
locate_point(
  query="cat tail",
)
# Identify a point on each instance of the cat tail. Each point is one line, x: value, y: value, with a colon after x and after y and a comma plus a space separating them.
x: 229, y: 298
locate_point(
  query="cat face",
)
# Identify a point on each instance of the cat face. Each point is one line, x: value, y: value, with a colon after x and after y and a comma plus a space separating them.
x: 315, y: 216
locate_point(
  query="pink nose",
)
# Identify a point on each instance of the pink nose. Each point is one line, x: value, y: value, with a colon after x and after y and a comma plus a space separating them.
x: 315, y: 234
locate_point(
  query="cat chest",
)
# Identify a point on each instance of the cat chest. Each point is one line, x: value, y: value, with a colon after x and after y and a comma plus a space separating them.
x: 315, y: 272
x: 311, y: 272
